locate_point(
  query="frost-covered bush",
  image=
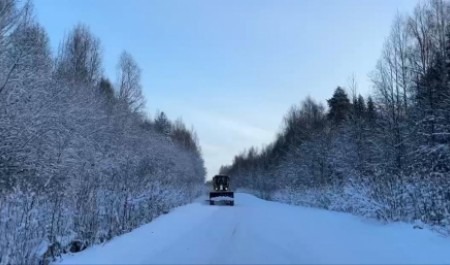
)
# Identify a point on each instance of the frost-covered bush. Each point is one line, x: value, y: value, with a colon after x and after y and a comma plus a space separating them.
x: 80, y: 163
x: 386, y: 156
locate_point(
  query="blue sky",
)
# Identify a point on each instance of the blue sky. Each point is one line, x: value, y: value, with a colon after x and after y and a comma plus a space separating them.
x: 229, y: 68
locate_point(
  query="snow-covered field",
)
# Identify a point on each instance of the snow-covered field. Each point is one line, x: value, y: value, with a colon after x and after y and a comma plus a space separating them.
x: 261, y: 232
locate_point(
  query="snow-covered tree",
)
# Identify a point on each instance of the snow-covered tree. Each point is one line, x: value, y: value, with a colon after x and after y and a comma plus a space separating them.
x: 78, y: 163
x: 129, y: 82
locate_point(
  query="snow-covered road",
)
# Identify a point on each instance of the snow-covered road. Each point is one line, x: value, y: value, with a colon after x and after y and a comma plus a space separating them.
x: 260, y: 232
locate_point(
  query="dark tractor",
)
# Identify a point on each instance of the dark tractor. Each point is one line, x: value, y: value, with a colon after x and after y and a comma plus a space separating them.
x: 221, y: 191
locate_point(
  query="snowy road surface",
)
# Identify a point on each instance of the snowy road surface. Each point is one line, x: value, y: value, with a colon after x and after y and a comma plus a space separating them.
x: 260, y: 232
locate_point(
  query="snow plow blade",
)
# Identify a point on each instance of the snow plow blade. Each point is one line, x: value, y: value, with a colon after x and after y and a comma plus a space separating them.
x: 221, y: 197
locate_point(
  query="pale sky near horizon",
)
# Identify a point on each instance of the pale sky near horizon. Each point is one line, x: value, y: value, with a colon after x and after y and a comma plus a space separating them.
x: 232, y: 69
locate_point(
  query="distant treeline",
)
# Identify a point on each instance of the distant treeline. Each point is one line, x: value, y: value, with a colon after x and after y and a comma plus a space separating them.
x: 385, y: 156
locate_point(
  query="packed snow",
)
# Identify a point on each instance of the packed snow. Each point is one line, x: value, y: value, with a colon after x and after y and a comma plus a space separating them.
x: 261, y: 232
